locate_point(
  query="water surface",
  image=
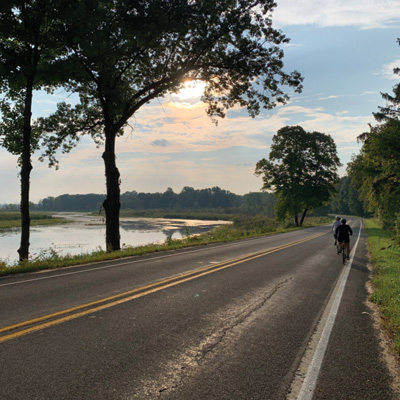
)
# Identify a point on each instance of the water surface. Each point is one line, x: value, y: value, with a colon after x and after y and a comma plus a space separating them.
x: 87, y: 234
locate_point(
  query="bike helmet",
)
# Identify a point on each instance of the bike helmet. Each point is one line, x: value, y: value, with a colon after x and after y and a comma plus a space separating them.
x: 337, y: 218
x: 343, y: 221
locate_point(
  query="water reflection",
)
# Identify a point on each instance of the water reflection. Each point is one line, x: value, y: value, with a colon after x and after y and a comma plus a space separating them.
x: 87, y: 234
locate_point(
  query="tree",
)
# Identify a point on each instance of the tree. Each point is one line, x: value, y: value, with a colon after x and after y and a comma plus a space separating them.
x: 375, y: 172
x: 168, y: 199
x: 392, y: 109
x: 340, y: 202
x: 134, y: 52
x: 301, y: 171
x: 346, y: 201
x: 258, y: 203
x: 27, y: 62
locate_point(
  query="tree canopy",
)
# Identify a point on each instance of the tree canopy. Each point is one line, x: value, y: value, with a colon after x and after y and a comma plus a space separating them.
x: 375, y: 172
x: 29, y: 54
x: 129, y: 53
x: 346, y: 200
x: 301, y: 171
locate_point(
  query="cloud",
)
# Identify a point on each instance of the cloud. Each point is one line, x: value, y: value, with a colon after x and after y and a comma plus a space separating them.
x: 387, y: 70
x: 368, y: 92
x: 343, y: 128
x: 178, y: 146
x: 160, y: 143
x: 357, y: 13
x: 171, y: 130
x: 329, y: 97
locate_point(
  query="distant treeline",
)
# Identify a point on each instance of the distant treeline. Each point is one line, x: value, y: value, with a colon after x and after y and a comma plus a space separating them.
x: 188, y: 199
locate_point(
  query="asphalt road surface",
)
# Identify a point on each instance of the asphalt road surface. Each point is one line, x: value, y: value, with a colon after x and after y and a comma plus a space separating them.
x: 276, y: 317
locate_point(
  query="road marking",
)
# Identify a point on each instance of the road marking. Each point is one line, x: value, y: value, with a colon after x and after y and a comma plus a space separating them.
x: 326, y: 325
x: 89, y: 308
x: 113, y: 264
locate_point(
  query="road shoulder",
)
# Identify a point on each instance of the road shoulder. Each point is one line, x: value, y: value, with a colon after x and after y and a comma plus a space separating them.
x: 354, y: 366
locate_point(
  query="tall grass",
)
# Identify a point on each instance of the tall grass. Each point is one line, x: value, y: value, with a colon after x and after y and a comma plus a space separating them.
x: 10, y: 219
x: 384, y: 248
x: 12, y: 216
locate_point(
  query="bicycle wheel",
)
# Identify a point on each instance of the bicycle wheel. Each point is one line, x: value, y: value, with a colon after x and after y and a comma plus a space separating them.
x: 344, y: 255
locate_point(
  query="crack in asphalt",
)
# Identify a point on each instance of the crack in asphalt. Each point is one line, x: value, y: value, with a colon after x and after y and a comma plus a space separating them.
x: 237, y: 320
x: 199, y: 357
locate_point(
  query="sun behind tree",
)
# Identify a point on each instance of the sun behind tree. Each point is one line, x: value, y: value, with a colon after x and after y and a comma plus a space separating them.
x: 192, y: 90
x: 126, y: 54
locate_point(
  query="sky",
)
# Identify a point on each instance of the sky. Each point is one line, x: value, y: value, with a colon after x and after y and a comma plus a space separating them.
x: 345, y: 49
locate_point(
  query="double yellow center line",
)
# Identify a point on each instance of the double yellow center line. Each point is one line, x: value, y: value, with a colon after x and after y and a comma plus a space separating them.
x: 33, y: 325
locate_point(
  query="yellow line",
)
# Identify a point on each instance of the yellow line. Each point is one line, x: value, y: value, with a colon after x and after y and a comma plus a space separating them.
x: 144, y: 290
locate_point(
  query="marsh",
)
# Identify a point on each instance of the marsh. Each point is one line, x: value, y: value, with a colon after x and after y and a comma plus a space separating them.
x: 87, y: 233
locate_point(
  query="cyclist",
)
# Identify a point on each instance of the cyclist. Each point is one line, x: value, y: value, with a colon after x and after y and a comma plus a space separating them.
x: 343, y: 233
x: 335, y: 224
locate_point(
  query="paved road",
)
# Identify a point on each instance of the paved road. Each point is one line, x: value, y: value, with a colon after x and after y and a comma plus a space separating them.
x: 242, y: 320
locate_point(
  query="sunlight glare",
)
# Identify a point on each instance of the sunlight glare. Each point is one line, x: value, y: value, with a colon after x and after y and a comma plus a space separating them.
x: 191, y: 90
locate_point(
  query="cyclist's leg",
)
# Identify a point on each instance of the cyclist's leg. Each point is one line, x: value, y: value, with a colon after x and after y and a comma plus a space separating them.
x: 348, y: 249
x: 343, y: 247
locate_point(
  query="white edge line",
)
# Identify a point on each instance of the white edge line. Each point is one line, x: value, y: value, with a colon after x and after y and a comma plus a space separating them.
x: 310, y: 381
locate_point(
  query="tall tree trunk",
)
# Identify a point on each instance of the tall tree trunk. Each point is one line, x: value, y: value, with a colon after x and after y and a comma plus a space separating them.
x: 303, y: 216
x: 296, y: 220
x: 26, y: 168
x: 112, y: 202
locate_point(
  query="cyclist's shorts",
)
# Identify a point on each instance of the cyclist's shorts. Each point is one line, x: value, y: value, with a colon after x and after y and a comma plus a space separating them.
x: 341, y: 240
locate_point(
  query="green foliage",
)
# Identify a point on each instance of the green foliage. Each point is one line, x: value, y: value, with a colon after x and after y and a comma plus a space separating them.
x: 397, y: 227
x: 12, y: 108
x: 375, y: 172
x: 258, y: 203
x: 30, y: 55
x: 117, y: 56
x: 346, y: 200
x: 258, y: 224
x: 9, y: 216
x: 301, y: 170
x: 188, y: 199
x: 211, y: 204
x: 384, y: 250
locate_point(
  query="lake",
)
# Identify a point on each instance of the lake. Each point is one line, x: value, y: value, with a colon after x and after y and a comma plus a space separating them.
x: 87, y: 233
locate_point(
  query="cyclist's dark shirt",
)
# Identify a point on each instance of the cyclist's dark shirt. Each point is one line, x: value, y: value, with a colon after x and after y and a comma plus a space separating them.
x: 343, y: 233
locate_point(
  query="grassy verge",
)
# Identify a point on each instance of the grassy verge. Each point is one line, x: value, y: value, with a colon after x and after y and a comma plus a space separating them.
x: 13, y: 219
x: 384, y: 248
x: 243, y: 227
